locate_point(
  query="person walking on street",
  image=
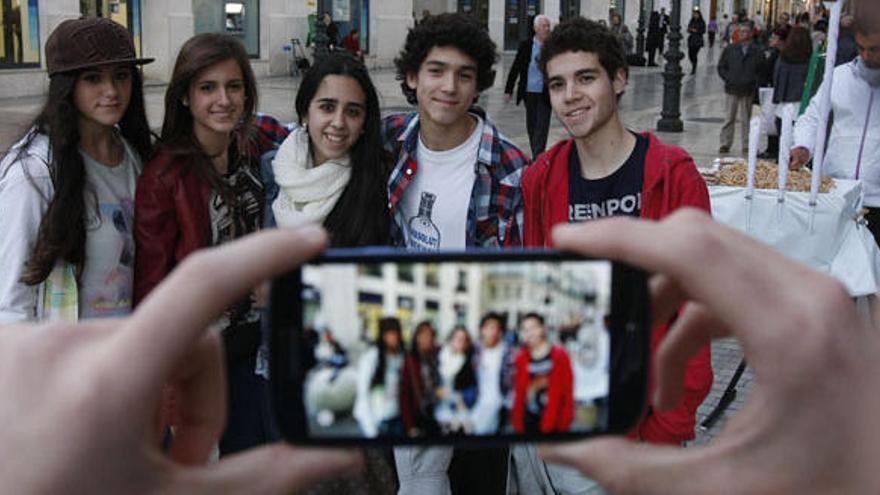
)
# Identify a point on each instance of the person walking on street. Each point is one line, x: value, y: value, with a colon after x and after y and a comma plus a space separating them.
x: 712, y: 29
x: 738, y: 68
x: 530, y: 87
x: 696, y: 30
x: 654, y: 40
x: 789, y: 77
x: 729, y: 28
x: 619, y: 28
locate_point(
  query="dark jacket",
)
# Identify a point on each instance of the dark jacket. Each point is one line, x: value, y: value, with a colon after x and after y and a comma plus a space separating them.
x: 519, y: 73
x: 769, y: 56
x: 417, y: 408
x: 738, y: 70
x: 696, y: 30
x: 789, y: 80
x: 655, y: 35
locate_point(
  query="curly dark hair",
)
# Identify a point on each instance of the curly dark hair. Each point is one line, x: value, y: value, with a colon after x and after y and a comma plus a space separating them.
x: 457, y: 30
x: 583, y: 35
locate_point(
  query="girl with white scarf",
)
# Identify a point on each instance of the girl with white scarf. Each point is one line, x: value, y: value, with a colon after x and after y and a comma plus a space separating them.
x: 332, y: 169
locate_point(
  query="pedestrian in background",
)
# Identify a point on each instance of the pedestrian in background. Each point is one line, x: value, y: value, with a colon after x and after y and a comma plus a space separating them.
x: 67, y: 187
x: 530, y: 86
x: 729, y: 29
x: 654, y: 40
x: 331, y: 30
x: 789, y: 78
x: 623, y: 33
x: 738, y: 68
x: 696, y: 29
x: 712, y: 29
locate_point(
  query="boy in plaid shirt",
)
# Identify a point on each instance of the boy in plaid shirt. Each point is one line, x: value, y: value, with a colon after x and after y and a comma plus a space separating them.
x: 455, y: 185
x: 448, y: 149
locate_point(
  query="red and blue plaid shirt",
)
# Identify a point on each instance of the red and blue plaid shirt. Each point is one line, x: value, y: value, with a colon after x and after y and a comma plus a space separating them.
x: 495, y: 215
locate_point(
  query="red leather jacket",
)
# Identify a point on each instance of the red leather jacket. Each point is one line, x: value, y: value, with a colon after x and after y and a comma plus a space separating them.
x: 671, y: 181
x: 171, y: 218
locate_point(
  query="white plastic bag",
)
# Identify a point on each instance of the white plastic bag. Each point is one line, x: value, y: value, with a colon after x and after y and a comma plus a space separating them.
x: 837, y: 244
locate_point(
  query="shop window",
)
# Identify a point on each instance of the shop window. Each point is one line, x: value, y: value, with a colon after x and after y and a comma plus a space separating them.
x: 239, y: 18
x: 432, y: 275
x: 348, y: 15
x: 405, y: 272
x: 370, y: 270
x: 124, y: 12
x: 461, y: 285
x: 20, y: 41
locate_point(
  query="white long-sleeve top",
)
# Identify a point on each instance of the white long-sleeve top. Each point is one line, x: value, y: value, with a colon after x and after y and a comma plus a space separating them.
x: 371, y: 407
x: 25, y: 191
x: 856, y: 127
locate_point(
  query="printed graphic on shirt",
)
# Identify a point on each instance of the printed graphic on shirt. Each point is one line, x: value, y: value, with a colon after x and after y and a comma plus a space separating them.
x: 423, y: 233
x: 618, y: 194
x: 536, y: 395
x: 229, y: 222
x: 107, y: 282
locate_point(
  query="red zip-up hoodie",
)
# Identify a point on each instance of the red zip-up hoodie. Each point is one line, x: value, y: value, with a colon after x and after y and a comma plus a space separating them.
x: 671, y: 181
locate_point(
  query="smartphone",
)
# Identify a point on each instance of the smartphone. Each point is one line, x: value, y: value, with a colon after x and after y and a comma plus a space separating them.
x: 379, y: 347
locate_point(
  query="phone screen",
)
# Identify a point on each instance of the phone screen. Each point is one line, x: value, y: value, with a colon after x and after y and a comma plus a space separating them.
x: 433, y: 349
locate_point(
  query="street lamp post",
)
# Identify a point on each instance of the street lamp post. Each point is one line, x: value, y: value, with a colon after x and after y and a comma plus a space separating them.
x: 670, y: 120
x: 640, y: 36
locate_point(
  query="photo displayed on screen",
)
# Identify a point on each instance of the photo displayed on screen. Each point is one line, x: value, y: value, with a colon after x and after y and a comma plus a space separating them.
x: 453, y: 348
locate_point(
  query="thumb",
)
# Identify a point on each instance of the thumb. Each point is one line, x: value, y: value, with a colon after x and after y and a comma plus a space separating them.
x: 623, y: 466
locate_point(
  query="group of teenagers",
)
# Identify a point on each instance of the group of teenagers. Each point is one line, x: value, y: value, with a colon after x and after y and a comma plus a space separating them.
x: 96, y: 211
x: 486, y: 387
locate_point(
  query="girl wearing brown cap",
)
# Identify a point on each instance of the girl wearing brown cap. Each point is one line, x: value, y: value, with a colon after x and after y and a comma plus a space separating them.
x: 202, y: 188
x: 67, y: 186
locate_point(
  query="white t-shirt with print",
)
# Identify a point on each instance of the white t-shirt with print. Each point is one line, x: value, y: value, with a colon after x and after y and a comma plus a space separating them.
x: 447, y: 176
x: 105, y: 287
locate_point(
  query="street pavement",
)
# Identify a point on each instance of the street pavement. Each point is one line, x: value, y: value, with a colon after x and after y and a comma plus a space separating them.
x: 702, y: 108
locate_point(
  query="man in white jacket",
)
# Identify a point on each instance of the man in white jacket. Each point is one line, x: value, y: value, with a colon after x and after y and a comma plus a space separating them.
x: 854, y: 146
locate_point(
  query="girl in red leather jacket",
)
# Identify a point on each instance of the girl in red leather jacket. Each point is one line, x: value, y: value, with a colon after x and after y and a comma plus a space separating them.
x: 202, y: 188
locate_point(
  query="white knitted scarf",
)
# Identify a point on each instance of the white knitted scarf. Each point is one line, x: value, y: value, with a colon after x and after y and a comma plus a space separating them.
x: 306, y: 193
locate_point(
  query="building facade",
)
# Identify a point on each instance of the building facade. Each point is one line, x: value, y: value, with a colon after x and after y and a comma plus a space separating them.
x: 160, y: 27
x: 266, y: 27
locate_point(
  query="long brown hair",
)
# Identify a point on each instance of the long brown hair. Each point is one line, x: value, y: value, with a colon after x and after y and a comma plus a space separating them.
x: 798, y: 46
x: 197, y: 55
x: 62, y: 231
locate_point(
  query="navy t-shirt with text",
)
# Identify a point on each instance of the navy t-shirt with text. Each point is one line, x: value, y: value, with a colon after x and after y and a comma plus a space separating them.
x: 618, y: 194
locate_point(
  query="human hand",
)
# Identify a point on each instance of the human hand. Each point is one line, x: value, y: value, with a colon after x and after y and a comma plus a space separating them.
x: 507, y: 97
x: 798, y: 158
x: 810, y: 423
x: 80, y: 399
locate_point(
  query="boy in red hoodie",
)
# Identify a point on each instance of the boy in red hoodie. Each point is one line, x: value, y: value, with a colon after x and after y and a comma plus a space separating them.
x: 606, y: 170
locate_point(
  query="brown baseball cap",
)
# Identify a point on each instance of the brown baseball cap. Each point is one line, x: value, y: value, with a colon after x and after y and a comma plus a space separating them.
x: 89, y: 42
